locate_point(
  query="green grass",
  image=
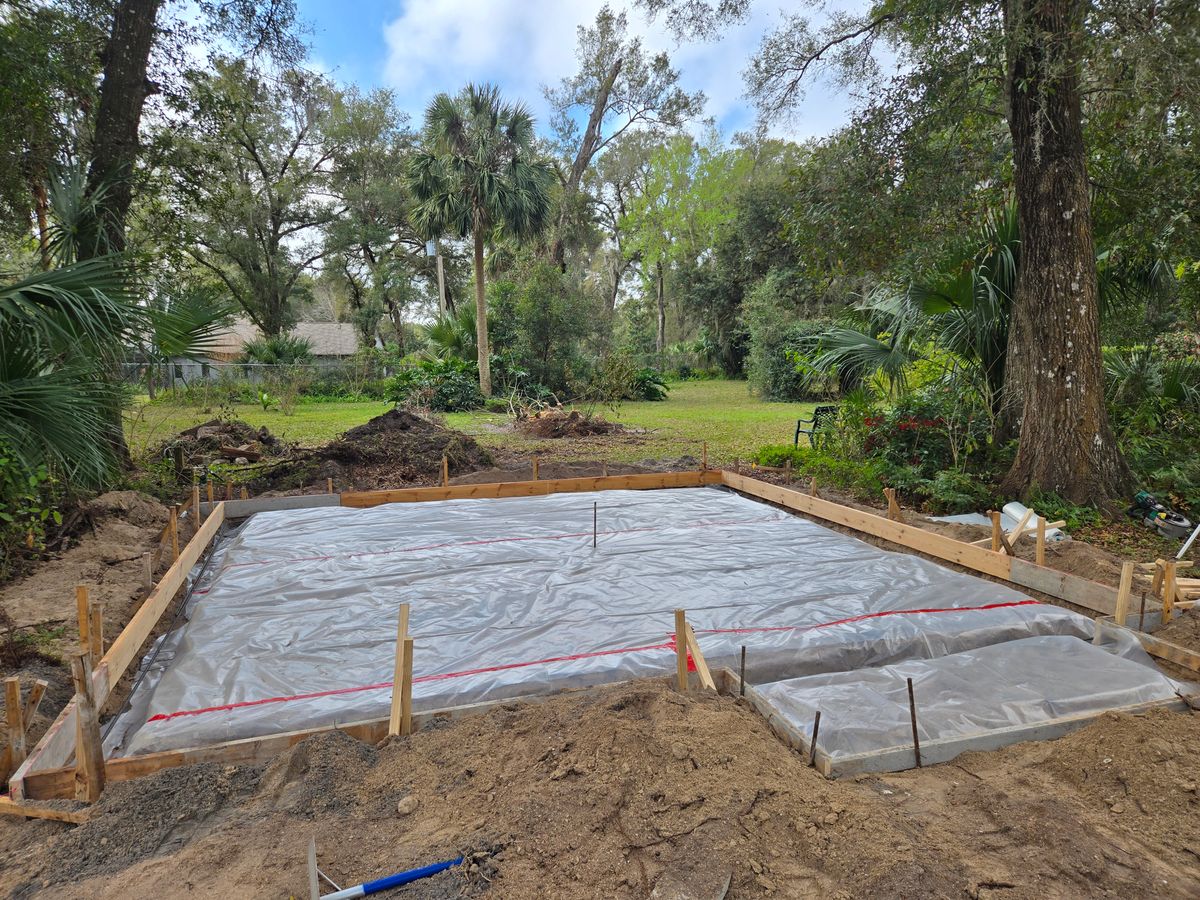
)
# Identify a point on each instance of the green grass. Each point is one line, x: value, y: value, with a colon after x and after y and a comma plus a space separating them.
x: 723, y: 413
x: 312, y: 424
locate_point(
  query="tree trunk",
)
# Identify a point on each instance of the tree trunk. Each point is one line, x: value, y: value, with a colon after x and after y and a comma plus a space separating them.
x: 41, y: 206
x: 1066, y: 443
x: 481, y: 326
x: 123, y: 93
x: 583, y: 158
x: 660, y: 337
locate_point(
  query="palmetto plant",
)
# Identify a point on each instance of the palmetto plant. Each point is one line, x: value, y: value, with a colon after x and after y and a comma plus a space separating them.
x: 963, y: 310
x: 476, y: 175
x: 453, y: 334
x: 61, y: 334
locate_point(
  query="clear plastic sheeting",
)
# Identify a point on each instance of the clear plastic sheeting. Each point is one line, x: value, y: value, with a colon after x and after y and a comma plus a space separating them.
x: 964, y: 698
x: 293, y: 623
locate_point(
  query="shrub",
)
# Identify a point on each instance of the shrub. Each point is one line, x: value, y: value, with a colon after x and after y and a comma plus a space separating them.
x: 863, y: 478
x: 282, y: 349
x: 443, y: 385
x: 647, y: 384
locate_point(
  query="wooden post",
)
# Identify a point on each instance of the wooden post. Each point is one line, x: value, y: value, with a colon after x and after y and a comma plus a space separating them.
x: 406, y: 691
x: 787, y: 470
x: 245, y: 493
x: 329, y: 485
x: 1169, y: 588
x: 737, y: 466
x: 1123, y: 592
x: 209, y: 490
x: 812, y: 486
x: 89, y: 755
x: 96, y: 632
x: 894, y: 512
x: 604, y: 468
x: 32, y: 701
x: 702, y: 672
x: 912, y: 712
x: 13, y: 716
x: 446, y: 471
x: 704, y: 456
x: 395, y: 721
x: 996, y: 532
x: 535, y: 467
x: 1040, y: 550
x: 228, y: 490
x: 83, y: 611
x: 148, y: 570
x: 681, y: 666
x: 173, y: 525
x: 198, y: 519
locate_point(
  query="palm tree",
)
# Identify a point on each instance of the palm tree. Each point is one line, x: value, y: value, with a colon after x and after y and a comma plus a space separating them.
x: 475, y: 175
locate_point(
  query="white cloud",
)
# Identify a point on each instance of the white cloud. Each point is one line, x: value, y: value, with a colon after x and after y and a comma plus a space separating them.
x: 440, y: 45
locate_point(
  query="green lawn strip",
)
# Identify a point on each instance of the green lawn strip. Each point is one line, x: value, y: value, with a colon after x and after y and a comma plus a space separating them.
x: 723, y: 413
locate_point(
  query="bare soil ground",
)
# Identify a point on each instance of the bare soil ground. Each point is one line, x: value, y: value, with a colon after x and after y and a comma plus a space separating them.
x: 636, y: 791
x: 632, y: 791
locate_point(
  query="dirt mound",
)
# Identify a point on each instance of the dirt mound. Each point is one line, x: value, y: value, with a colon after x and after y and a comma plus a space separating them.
x: 218, y: 440
x: 636, y: 791
x: 133, y: 507
x: 1184, y: 630
x: 559, y: 423
x: 400, y: 446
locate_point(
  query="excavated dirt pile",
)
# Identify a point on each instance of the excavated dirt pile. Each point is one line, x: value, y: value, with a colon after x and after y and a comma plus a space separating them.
x: 1184, y: 630
x: 637, y: 791
x: 397, y: 447
x: 559, y: 423
x: 218, y: 440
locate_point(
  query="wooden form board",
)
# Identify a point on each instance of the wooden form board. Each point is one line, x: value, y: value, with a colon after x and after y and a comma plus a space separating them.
x: 495, y: 490
x: 1079, y: 591
x: 1181, y: 656
x: 57, y: 745
x: 59, y: 783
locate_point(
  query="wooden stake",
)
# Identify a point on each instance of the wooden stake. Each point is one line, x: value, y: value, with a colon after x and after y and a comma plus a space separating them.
x: 1040, y: 550
x: 197, y: 518
x: 812, y: 486
x: 912, y: 712
x: 89, y: 755
x: 787, y: 470
x: 681, y: 666
x: 1169, y: 588
x: 173, y: 525
x: 33, y: 701
x: 1123, y: 592
x: 406, y: 693
x: 329, y: 485
x: 704, y: 456
x: 13, y: 716
x: 737, y: 466
x: 245, y: 493
x: 742, y: 674
x: 706, y: 679
x: 446, y: 471
x: 209, y: 490
x: 229, y: 490
x: 812, y: 748
x: 148, y: 570
x: 96, y: 632
x: 396, y: 720
x: 894, y: 512
x: 535, y: 467
x: 83, y: 611
x: 604, y: 469
x: 997, y: 533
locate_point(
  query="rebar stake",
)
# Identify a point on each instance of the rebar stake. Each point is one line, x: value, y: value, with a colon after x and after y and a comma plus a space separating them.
x: 912, y: 712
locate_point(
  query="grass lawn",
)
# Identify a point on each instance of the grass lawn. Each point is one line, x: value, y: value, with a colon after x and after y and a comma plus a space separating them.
x: 723, y: 413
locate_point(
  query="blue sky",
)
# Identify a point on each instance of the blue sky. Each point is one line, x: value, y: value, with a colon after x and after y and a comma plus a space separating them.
x: 420, y: 48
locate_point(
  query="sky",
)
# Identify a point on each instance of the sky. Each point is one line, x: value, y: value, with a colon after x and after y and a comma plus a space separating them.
x: 420, y: 48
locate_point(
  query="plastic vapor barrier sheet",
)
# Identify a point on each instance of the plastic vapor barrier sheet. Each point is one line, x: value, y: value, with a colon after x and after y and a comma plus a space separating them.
x: 973, y: 700
x: 292, y: 624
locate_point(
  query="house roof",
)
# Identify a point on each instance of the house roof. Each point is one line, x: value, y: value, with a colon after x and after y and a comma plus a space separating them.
x: 326, y: 338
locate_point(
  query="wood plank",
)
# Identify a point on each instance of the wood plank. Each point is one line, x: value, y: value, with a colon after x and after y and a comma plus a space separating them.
x: 58, y: 743
x: 398, y: 669
x: 494, y: 490
x: 706, y: 679
x: 89, y: 754
x: 83, y: 615
x: 1169, y: 589
x: 50, y: 784
x: 13, y: 712
x: 911, y: 536
x: 1158, y: 647
x: 1122, y: 610
x: 406, y: 686
x: 1039, y: 553
x: 240, y: 509
x: 9, y: 808
x: 1020, y: 529
x: 33, y: 701
x: 1079, y: 591
x: 681, y: 666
